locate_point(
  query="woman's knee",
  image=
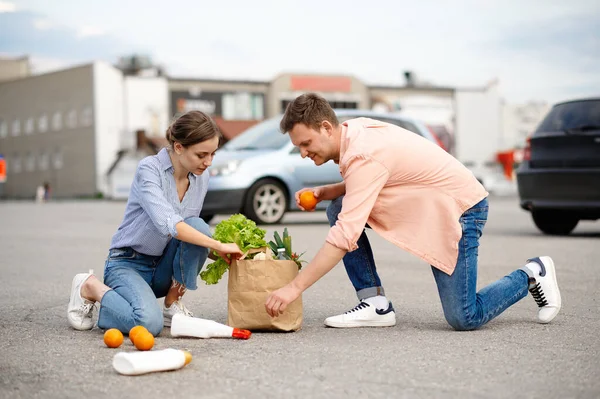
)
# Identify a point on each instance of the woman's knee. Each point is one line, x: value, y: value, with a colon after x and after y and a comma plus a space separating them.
x: 199, y: 224
x: 333, y: 210
x: 151, y: 318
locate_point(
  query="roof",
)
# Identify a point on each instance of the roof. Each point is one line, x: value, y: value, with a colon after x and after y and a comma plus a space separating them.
x: 230, y: 128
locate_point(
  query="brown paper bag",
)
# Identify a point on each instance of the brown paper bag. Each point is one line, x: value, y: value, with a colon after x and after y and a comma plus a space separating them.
x: 250, y: 283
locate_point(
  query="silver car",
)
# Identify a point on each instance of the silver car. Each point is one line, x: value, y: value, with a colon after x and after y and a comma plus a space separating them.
x: 258, y: 171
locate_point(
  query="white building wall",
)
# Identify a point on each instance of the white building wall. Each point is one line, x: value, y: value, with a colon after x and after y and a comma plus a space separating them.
x: 109, y: 120
x: 478, y: 125
x: 146, y: 108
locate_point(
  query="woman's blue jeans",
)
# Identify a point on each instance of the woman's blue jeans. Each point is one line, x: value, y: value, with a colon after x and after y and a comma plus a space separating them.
x: 137, y: 280
x: 464, y: 307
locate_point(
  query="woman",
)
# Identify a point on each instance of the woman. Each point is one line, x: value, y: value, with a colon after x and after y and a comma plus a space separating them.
x: 161, y: 243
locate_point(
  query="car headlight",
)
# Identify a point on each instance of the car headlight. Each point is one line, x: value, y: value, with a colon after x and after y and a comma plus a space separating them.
x: 225, y: 169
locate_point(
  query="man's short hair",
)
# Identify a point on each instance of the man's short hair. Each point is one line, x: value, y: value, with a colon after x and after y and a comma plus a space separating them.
x: 309, y: 109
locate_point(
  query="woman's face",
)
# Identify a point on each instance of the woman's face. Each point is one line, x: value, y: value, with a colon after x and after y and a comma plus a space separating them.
x: 196, y: 158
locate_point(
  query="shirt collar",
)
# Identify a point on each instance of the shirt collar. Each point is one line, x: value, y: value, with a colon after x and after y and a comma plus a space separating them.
x: 343, y: 140
x: 164, y: 159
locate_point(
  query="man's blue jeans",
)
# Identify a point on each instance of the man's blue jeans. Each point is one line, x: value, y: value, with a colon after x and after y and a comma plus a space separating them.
x: 137, y: 280
x: 464, y: 307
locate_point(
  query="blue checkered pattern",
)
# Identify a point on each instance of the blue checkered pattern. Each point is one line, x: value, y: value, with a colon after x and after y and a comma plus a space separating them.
x: 153, y: 208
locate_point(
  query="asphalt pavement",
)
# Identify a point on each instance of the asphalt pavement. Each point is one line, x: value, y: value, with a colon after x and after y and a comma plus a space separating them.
x: 43, y: 246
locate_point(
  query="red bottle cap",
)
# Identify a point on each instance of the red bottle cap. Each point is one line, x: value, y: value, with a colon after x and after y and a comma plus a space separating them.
x: 242, y: 334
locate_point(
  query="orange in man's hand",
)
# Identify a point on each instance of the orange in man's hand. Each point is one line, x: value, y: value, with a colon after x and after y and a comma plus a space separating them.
x: 308, y: 200
x: 134, y: 331
x: 144, y: 341
x: 113, y: 338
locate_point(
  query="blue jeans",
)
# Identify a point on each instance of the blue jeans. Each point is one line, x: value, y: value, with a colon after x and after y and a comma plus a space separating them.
x: 464, y: 307
x: 137, y: 280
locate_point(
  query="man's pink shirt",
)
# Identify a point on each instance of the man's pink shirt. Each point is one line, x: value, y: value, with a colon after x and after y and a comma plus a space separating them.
x: 409, y: 190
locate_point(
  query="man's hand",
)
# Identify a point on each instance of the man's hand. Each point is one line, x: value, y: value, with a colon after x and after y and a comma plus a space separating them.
x: 279, y: 300
x: 229, y: 249
x: 317, y: 192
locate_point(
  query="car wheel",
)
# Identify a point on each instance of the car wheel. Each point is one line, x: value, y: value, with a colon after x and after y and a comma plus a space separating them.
x: 266, y: 202
x: 554, y: 222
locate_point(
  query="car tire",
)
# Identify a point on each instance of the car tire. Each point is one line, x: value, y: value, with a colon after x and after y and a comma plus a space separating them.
x: 266, y: 202
x: 554, y: 222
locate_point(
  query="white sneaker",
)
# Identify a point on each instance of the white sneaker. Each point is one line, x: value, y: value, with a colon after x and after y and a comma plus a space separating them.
x: 80, y: 311
x: 364, y: 315
x: 176, y: 307
x: 544, y: 289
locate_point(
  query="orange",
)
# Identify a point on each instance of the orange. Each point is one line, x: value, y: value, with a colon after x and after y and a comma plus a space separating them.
x: 144, y: 341
x: 113, y: 338
x: 308, y: 200
x: 134, y: 331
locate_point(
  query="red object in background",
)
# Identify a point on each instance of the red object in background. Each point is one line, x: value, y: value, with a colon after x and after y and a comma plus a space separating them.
x: 2, y: 170
x: 321, y: 83
x: 437, y: 139
x: 507, y: 159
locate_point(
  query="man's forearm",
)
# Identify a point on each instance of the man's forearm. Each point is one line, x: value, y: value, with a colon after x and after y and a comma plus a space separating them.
x: 333, y: 191
x: 327, y: 257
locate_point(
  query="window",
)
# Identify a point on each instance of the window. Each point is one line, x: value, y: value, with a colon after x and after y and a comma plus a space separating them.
x: 15, y: 164
x: 57, y: 159
x: 44, y: 161
x: 30, y: 162
x: 57, y: 121
x: 87, y: 117
x: 571, y: 115
x: 72, y: 119
x: 16, y: 127
x: 29, y: 126
x: 3, y: 129
x: 43, y: 123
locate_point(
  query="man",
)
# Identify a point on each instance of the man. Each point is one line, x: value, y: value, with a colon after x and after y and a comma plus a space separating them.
x: 416, y: 196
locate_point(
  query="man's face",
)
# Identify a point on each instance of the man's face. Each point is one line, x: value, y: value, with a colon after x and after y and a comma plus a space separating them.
x: 315, y: 144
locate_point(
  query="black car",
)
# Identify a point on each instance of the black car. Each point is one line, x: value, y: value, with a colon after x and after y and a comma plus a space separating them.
x: 559, y: 178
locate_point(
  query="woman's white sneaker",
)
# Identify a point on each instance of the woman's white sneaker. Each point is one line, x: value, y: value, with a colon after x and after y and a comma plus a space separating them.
x: 544, y: 288
x: 177, y: 307
x: 364, y: 315
x: 80, y: 311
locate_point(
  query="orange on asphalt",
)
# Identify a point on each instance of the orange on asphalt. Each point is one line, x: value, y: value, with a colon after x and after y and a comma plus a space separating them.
x: 308, y: 200
x: 113, y: 338
x: 143, y: 341
x: 134, y: 330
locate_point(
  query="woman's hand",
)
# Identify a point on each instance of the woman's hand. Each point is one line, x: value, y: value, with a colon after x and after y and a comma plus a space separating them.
x: 229, y: 249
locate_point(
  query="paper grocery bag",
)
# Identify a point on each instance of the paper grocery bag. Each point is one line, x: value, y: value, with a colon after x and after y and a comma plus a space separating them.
x: 250, y: 283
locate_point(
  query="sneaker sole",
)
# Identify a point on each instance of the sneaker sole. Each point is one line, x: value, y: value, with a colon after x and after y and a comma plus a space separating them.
x: 166, y: 321
x: 553, y: 272
x: 357, y: 324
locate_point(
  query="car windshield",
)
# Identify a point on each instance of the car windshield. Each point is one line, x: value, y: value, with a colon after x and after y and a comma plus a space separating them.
x: 580, y: 115
x: 263, y: 136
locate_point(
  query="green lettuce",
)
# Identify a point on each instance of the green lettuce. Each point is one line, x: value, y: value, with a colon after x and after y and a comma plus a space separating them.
x: 237, y: 229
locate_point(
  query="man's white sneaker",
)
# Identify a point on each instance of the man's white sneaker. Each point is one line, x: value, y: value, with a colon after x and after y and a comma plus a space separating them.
x: 80, y: 311
x: 176, y: 307
x: 364, y: 315
x: 544, y: 289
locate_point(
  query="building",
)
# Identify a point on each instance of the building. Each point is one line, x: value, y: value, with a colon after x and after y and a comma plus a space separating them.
x: 84, y: 129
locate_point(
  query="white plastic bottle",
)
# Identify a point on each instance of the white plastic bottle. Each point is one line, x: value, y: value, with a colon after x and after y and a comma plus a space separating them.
x: 136, y: 363
x: 185, y: 326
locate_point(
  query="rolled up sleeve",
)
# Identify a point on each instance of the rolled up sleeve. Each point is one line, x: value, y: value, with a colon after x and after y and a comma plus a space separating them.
x: 153, y: 201
x: 364, y: 178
